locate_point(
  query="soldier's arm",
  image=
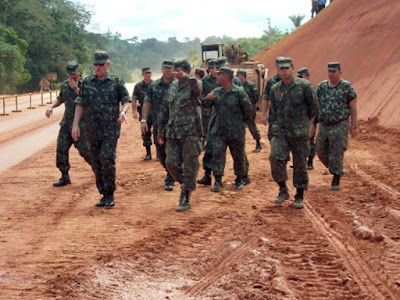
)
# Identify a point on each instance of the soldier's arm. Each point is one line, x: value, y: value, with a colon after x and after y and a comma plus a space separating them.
x: 49, y: 111
x: 353, y: 109
x: 134, y: 103
x: 311, y: 100
x: 75, y: 133
x: 246, y: 105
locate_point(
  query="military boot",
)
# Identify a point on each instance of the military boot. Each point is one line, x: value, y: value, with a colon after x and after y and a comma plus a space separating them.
x: 169, y: 182
x: 258, y: 146
x: 298, y: 201
x: 238, y: 183
x: 102, y: 202
x: 335, y: 183
x: 310, y: 165
x: 246, y: 179
x: 109, y: 200
x: 283, y: 195
x: 218, y: 184
x: 148, y: 153
x: 206, y: 180
x: 64, y: 180
x: 184, y: 201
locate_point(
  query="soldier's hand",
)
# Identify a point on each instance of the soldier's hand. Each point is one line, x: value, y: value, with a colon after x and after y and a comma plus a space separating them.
x: 210, y: 96
x: 75, y: 133
x: 312, y: 130
x: 135, y: 115
x: 144, y: 127
x: 160, y: 138
x: 49, y: 112
x: 72, y: 83
x: 264, y: 120
x: 122, y: 117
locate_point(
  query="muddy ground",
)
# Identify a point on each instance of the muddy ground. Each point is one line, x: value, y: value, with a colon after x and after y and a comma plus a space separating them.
x: 54, y: 244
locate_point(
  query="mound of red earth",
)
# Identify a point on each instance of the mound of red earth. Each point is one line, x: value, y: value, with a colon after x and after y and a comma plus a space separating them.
x: 364, y: 36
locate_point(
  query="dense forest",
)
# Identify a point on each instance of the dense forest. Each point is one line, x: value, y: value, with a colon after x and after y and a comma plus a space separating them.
x: 38, y: 37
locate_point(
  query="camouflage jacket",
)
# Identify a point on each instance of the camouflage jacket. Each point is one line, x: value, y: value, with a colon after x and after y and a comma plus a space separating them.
x: 270, y: 82
x: 251, y: 89
x: 233, y: 109
x: 293, y: 106
x: 334, y: 103
x: 140, y: 91
x: 67, y: 96
x: 155, y: 96
x: 237, y: 81
x: 101, y: 100
x: 209, y: 83
x: 180, y: 112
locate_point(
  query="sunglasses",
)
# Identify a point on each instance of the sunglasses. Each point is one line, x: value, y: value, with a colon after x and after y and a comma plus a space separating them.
x: 99, y: 65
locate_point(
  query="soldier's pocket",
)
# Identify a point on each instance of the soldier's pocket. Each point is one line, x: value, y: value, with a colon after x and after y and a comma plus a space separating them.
x: 300, y: 131
x: 196, y: 146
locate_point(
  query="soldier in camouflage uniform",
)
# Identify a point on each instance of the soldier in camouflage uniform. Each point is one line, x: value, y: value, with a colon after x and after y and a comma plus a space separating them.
x: 68, y: 92
x: 101, y: 95
x: 180, y: 127
x: 251, y: 89
x: 232, y: 110
x: 314, y: 7
x: 293, y: 105
x: 199, y: 74
x: 337, y: 103
x: 139, y: 93
x: 151, y: 107
x: 305, y: 74
x: 266, y: 114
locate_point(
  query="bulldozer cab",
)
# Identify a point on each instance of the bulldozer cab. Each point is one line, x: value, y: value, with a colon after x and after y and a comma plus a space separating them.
x: 210, y: 52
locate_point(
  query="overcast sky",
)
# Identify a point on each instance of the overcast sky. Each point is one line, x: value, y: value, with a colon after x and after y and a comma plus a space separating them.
x: 196, y: 18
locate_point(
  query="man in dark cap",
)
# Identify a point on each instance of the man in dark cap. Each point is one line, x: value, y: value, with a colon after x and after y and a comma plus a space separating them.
x: 180, y: 128
x: 266, y: 115
x: 232, y: 110
x: 251, y: 89
x: 337, y: 106
x: 199, y: 74
x: 139, y: 93
x: 151, y: 107
x: 293, y: 106
x: 101, y: 95
x: 68, y: 92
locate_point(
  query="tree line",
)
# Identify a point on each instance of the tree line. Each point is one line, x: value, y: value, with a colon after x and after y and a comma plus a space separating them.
x: 38, y: 37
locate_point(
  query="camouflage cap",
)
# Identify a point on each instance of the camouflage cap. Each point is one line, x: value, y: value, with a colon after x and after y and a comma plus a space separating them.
x: 100, y: 57
x: 285, y: 62
x: 211, y: 64
x: 182, y: 63
x: 241, y: 71
x: 72, y: 67
x: 302, y: 71
x: 168, y: 63
x: 146, y: 70
x: 220, y: 62
x: 199, y: 71
x: 278, y: 59
x: 333, y: 66
x: 226, y: 70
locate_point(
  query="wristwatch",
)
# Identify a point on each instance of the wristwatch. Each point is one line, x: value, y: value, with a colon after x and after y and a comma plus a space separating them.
x: 75, y: 88
x: 143, y: 121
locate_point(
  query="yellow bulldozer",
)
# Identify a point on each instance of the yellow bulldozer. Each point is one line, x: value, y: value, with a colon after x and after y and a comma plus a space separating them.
x: 237, y: 59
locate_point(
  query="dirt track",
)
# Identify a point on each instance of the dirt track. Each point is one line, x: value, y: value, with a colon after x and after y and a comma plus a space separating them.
x: 234, y: 245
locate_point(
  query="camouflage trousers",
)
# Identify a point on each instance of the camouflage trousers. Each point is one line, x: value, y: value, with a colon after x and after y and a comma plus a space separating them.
x: 252, y: 125
x: 103, y: 162
x: 271, y: 119
x: 64, y: 143
x: 312, y: 147
x: 332, y: 142
x: 147, y: 136
x: 160, y: 148
x: 279, y: 156
x: 183, y: 160
x: 205, y: 118
x: 236, y: 147
x: 208, y: 152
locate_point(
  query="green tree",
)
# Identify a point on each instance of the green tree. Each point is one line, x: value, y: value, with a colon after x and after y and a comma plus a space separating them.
x: 296, y: 19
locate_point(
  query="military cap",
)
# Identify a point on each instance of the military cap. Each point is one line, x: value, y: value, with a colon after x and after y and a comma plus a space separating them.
x: 182, y: 63
x: 333, y: 66
x: 100, y: 57
x: 285, y: 62
x: 211, y: 64
x: 72, y: 67
x: 199, y: 71
x: 302, y: 71
x: 220, y: 62
x: 241, y: 71
x: 146, y: 70
x: 226, y: 70
x: 277, y: 59
x: 168, y: 63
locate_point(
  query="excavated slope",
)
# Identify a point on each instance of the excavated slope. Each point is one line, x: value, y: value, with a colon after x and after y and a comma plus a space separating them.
x: 364, y: 36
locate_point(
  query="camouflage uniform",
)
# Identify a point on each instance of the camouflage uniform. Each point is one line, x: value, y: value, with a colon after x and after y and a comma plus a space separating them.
x: 252, y: 91
x: 266, y: 97
x: 155, y: 96
x: 139, y: 93
x: 64, y: 139
x: 233, y: 110
x: 292, y: 108
x: 209, y: 83
x: 180, y: 119
x: 333, y: 117
x: 101, y: 100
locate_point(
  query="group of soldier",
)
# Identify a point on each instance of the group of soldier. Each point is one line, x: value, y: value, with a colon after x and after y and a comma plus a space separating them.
x: 189, y: 114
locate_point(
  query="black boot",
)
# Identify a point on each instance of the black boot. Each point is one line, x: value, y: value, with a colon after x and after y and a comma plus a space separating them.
x: 169, y: 182
x: 148, y: 153
x: 238, y: 183
x: 109, y: 200
x: 246, y: 179
x: 206, y: 180
x: 283, y: 193
x: 310, y: 165
x: 298, y: 199
x: 258, y: 146
x: 218, y: 184
x: 102, y: 202
x: 184, y: 201
x: 64, y: 180
x: 335, y: 183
